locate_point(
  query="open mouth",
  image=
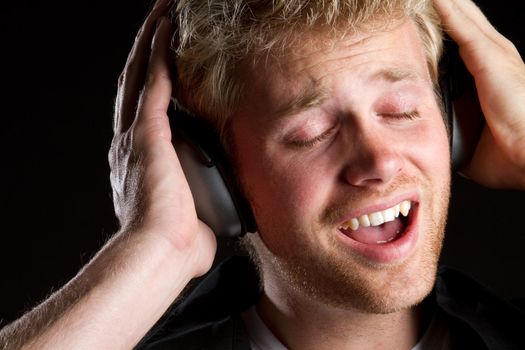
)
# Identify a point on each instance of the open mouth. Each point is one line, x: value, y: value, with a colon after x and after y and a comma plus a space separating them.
x: 380, y: 227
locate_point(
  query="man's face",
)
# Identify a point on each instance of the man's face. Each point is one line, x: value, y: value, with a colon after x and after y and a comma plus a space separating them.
x: 336, y: 134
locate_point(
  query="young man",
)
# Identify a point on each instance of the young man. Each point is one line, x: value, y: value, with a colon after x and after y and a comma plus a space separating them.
x: 338, y: 141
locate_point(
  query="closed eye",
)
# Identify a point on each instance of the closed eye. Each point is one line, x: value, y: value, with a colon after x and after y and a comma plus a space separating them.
x: 411, y: 115
x: 312, y: 141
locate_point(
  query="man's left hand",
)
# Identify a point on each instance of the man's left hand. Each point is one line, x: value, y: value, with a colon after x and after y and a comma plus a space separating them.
x: 499, y: 73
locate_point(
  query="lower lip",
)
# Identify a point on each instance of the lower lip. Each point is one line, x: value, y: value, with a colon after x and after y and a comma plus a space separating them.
x: 391, y: 252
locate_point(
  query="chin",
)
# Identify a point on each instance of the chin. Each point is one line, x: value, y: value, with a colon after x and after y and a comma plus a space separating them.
x: 364, y: 289
x: 400, y: 292
x: 333, y: 278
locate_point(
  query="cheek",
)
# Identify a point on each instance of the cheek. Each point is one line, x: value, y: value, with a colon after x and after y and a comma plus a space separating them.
x: 286, y: 196
x: 287, y: 192
x: 431, y: 152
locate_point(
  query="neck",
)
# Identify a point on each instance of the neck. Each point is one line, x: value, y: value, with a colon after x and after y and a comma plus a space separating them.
x: 302, y: 323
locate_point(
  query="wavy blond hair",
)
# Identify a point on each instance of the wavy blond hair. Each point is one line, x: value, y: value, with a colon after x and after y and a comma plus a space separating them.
x: 216, y: 35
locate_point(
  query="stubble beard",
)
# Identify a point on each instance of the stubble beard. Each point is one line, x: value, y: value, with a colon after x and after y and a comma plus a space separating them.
x: 334, y: 278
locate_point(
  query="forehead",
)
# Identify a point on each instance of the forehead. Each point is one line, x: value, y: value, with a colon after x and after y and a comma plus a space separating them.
x: 312, y: 63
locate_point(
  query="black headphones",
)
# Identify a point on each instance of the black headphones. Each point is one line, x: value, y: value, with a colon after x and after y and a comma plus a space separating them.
x: 460, y: 105
x: 216, y: 193
x: 218, y: 200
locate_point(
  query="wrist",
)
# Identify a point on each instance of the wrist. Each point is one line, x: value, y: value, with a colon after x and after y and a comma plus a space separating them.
x: 190, y: 251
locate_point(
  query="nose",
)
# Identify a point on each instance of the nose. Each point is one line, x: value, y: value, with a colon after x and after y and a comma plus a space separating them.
x: 374, y: 159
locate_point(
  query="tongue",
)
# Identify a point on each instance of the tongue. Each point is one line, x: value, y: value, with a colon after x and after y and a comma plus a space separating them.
x: 377, y: 234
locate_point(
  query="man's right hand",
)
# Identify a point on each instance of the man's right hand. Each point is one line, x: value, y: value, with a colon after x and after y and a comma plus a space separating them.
x: 120, y: 294
x: 150, y: 191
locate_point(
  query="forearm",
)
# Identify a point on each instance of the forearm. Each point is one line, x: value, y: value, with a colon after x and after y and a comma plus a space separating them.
x: 112, y: 302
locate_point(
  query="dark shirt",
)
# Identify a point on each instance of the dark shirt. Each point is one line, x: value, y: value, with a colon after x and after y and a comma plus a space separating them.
x: 209, y: 317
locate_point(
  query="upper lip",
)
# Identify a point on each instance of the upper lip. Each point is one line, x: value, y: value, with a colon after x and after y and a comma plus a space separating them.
x: 384, y: 204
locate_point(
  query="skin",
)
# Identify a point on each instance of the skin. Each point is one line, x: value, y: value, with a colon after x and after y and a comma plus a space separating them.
x: 150, y: 193
x: 369, y: 157
x: 499, y: 160
x: 108, y: 297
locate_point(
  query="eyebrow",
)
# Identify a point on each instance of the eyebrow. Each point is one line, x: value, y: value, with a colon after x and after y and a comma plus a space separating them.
x: 394, y: 75
x: 311, y: 95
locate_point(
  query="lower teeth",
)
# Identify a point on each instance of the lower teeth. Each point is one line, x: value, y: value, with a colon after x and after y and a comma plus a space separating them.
x: 391, y: 239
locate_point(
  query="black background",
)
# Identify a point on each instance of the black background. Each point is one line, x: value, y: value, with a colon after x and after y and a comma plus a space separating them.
x: 60, y: 65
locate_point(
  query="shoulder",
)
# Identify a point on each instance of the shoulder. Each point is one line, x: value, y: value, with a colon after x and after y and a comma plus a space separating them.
x: 474, y: 309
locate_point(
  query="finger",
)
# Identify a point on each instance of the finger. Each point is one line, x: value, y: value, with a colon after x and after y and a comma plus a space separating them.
x: 132, y: 78
x: 480, y: 44
x: 465, y: 22
x: 158, y: 87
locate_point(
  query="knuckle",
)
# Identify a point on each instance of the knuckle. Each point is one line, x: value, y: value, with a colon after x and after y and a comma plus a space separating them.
x: 150, y: 78
x: 140, y: 32
x: 155, y: 78
x: 156, y: 126
x: 122, y: 77
x: 111, y: 158
x: 121, y: 146
x: 509, y: 45
x: 114, y: 143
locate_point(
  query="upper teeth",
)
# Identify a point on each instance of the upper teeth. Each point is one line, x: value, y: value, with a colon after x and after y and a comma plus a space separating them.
x: 379, y: 217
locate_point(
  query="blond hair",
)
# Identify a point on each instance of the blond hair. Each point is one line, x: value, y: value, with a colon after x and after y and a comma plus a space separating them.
x: 216, y: 35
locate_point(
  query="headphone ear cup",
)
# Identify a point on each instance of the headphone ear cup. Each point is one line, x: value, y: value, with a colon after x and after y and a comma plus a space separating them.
x: 218, y: 201
x: 448, y: 109
x: 461, y: 106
